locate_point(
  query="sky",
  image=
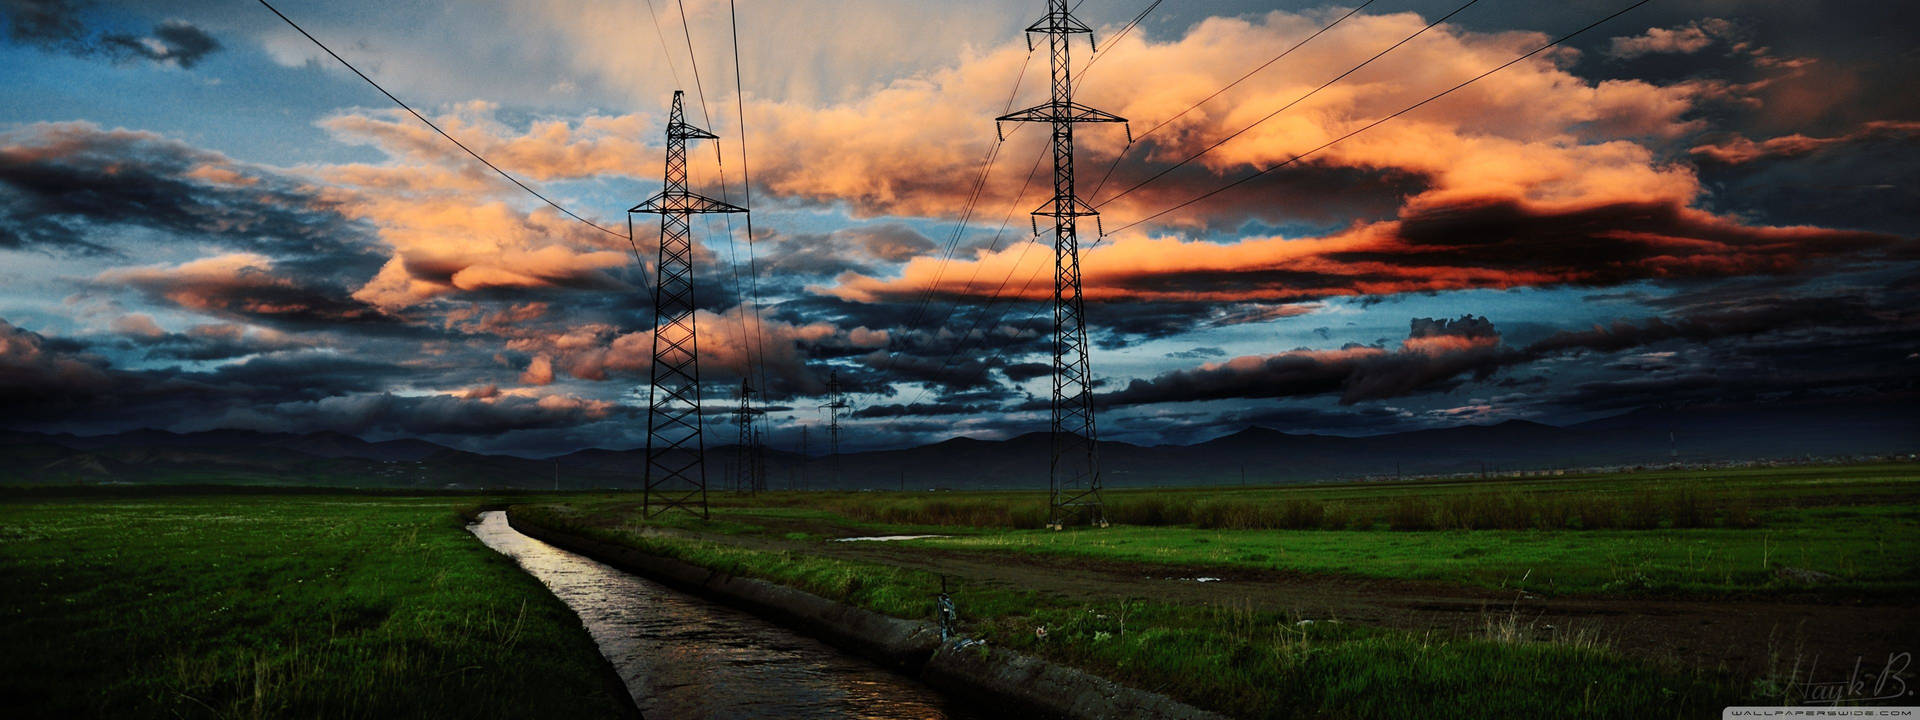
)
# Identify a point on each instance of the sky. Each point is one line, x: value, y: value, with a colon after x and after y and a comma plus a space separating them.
x: 206, y: 222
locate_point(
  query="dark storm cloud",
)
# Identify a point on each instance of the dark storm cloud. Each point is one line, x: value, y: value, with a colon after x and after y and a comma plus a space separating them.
x: 856, y: 249
x: 47, y: 381
x: 1862, y: 178
x: 1610, y: 244
x: 1847, y: 335
x: 1198, y: 353
x: 952, y: 373
x: 1756, y: 316
x: 1302, y: 193
x: 921, y: 410
x: 1118, y: 324
x: 421, y: 415
x: 45, y: 24
x: 1022, y: 372
x: 173, y: 41
x: 56, y: 25
x: 199, y: 343
x: 1435, y: 352
x: 247, y: 287
x: 63, y: 184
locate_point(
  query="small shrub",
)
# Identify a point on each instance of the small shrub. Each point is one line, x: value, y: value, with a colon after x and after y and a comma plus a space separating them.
x: 1302, y: 515
x: 1642, y: 511
x: 1410, y: 513
x: 1739, y: 513
x: 1686, y: 509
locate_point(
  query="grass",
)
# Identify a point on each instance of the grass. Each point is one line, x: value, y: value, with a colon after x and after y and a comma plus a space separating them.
x: 1654, y: 500
x: 279, y: 606
x: 1865, y: 550
x: 1230, y: 656
x: 1670, y: 534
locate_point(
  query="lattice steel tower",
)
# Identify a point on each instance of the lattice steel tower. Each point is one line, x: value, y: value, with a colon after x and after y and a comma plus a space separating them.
x: 749, y: 466
x: 836, y: 401
x: 676, y: 452
x: 1074, y: 476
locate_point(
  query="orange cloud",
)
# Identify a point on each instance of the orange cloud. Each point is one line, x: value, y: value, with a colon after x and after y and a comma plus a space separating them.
x: 1740, y: 150
x: 242, y: 284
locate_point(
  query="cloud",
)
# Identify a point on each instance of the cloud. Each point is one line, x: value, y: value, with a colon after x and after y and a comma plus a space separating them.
x: 75, y: 188
x: 539, y: 372
x: 1684, y: 39
x: 1741, y: 151
x: 175, y: 41
x: 242, y: 285
x: 1197, y: 353
x: 54, y: 383
x: 1434, y: 353
x: 1440, y: 354
x: 34, y: 374
x: 1492, y: 243
x: 56, y: 25
x: 423, y: 415
x: 46, y: 24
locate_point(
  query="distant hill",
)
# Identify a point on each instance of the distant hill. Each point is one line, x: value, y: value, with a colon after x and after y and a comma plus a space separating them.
x: 1252, y: 455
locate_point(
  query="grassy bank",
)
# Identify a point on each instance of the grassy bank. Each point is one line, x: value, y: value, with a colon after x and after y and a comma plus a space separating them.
x: 1228, y: 656
x: 279, y: 606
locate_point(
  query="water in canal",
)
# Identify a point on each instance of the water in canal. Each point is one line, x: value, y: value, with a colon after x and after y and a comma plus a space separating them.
x: 684, y: 657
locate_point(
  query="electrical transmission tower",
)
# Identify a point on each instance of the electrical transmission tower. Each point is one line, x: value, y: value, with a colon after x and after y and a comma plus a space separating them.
x: 676, y: 452
x: 1074, y: 477
x: 835, y: 403
x: 806, y: 458
x: 750, y: 473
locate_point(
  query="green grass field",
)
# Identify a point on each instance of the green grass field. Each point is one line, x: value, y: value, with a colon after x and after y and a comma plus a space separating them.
x: 1232, y: 657
x: 1827, y: 534
x: 1682, y: 534
x: 268, y: 604
x: 279, y: 606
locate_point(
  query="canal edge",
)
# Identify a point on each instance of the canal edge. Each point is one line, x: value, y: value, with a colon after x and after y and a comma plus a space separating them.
x: 995, y: 677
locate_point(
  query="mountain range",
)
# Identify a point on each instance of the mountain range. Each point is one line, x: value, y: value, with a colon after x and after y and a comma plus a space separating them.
x: 1646, y: 437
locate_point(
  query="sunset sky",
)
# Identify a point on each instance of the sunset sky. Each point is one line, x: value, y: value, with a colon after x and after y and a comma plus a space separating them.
x: 205, y: 222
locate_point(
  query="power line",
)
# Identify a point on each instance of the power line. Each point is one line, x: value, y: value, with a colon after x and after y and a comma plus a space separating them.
x: 1229, y: 86
x: 1115, y: 40
x: 1014, y: 203
x: 966, y: 215
x: 1001, y: 351
x: 695, y: 60
x: 1131, y: 24
x: 746, y: 183
x: 1376, y: 123
x: 1121, y: 156
x: 1284, y: 108
x: 657, y: 32
x: 733, y: 253
x: 429, y: 123
x: 960, y: 344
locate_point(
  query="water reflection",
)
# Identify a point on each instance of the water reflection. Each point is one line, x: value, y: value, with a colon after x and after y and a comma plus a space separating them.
x: 684, y: 657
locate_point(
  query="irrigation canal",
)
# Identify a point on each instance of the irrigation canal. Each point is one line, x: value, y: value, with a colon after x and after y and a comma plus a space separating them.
x: 685, y: 657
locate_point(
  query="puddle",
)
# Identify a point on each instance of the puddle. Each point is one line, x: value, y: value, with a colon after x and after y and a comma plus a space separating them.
x: 886, y: 538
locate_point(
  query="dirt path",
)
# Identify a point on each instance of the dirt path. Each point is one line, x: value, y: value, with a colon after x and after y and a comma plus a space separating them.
x: 1745, y: 636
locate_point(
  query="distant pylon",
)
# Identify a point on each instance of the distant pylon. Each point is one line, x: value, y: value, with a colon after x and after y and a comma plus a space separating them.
x: 1074, y: 476
x: 750, y: 472
x: 835, y: 403
x: 676, y: 451
x: 806, y: 457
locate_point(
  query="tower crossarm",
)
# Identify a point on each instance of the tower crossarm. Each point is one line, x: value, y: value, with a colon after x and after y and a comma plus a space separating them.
x: 682, y: 201
x: 1060, y: 111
